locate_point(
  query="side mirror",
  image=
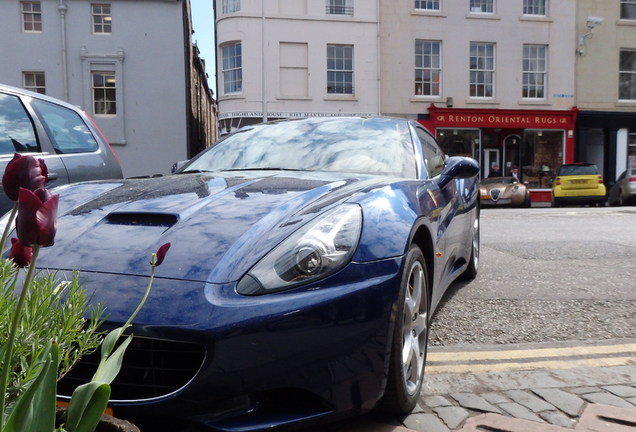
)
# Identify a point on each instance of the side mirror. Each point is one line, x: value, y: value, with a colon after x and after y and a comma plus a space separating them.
x: 458, y: 167
x: 178, y: 165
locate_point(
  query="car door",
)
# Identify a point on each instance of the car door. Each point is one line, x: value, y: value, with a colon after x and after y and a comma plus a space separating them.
x: 20, y: 133
x: 85, y: 155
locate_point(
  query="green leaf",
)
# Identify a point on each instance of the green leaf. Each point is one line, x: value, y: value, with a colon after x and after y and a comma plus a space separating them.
x: 109, y: 368
x: 87, y: 405
x: 35, y: 408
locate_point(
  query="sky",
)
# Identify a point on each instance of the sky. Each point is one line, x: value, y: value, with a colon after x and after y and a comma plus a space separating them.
x: 203, y: 26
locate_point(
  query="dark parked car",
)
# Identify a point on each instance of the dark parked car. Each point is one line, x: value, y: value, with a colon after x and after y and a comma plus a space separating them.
x: 307, y: 258
x: 59, y: 133
x: 623, y: 192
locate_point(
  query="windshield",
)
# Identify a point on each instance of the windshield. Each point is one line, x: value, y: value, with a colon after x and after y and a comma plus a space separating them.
x: 583, y: 169
x: 373, y: 146
x: 504, y: 180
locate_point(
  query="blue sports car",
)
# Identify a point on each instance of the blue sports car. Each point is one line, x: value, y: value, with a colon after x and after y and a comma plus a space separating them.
x: 307, y: 258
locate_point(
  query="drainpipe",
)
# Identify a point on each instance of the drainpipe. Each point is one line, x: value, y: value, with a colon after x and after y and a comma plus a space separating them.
x: 379, y: 55
x: 62, y: 8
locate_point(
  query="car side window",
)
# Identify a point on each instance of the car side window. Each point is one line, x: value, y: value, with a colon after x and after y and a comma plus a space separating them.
x: 65, y: 127
x: 433, y: 154
x: 17, y: 134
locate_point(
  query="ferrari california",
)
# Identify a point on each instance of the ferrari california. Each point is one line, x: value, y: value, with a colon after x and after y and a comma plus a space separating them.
x: 307, y: 258
x: 503, y: 191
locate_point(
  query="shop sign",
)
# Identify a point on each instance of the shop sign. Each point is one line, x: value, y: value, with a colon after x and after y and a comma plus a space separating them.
x: 519, y: 119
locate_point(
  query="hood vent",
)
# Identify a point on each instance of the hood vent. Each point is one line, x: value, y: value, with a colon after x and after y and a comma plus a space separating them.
x: 143, y: 219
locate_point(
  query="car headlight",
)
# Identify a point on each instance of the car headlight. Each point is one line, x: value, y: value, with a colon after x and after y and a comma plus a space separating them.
x: 316, y: 250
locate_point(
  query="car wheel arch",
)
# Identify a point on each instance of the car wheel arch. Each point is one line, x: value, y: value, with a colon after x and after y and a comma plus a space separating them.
x: 423, y: 239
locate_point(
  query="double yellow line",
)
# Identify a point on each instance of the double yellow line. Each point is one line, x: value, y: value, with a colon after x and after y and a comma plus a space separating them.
x: 531, y: 359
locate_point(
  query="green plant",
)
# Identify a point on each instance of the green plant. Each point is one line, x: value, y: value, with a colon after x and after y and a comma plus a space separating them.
x: 32, y: 360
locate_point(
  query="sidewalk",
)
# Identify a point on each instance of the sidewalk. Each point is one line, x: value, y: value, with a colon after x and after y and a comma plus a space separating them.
x: 516, y: 389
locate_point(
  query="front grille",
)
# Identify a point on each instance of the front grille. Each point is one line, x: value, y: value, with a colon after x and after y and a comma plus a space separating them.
x: 151, y: 368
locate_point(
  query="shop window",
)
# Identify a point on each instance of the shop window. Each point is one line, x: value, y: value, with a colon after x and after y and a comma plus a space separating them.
x: 541, y: 155
x: 459, y: 142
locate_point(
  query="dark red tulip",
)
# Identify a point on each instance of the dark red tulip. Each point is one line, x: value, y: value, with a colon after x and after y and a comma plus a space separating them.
x: 20, y: 254
x: 36, y: 223
x: 161, y: 253
x: 23, y: 172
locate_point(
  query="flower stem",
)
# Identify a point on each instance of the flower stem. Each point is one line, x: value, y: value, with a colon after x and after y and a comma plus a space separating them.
x: 6, y: 363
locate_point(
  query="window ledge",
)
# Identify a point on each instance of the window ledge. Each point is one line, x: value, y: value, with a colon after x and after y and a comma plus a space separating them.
x: 536, y: 18
x: 626, y: 22
x: 299, y: 98
x: 542, y: 102
x: 481, y: 15
x: 436, y: 14
x: 341, y: 97
x: 428, y: 99
x: 231, y: 96
x: 625, y: 103
x: 482, y: 101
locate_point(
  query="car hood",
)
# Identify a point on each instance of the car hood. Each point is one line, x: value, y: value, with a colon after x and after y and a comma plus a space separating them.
x: 218, y: 225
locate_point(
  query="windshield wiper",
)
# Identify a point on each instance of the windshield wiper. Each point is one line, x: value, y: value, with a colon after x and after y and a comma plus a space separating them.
x: 266, y: 169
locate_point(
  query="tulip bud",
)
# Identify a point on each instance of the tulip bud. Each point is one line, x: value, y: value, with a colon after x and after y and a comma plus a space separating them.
x: 20, y: 254
x: 23, y: 172
x: 36, y: 223
x: 161, y: 254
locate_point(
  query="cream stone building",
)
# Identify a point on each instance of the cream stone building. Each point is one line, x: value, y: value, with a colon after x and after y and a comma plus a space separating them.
x: 501, y: 80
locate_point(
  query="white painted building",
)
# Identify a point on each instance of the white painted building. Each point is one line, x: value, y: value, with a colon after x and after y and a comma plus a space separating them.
x: 130, y: 64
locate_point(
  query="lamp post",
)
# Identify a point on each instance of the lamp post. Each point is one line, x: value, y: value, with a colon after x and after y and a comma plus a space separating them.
x: 264, y: 74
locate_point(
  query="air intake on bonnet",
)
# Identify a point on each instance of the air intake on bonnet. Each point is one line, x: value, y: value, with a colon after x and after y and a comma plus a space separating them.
x: 143, y: 219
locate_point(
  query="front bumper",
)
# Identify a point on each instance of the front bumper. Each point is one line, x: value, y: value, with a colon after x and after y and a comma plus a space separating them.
x: 291, y: 357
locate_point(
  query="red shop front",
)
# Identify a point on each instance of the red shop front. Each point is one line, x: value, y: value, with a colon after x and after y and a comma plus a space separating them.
x: 535, y: 142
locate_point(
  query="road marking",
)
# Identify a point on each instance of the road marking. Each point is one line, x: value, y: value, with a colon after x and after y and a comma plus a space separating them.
x: 531, y: 359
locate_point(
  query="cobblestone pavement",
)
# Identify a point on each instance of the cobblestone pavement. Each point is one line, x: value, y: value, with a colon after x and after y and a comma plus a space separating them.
x: 551, y: 388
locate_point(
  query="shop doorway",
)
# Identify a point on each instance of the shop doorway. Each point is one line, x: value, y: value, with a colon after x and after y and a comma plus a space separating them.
x: 490, y: 160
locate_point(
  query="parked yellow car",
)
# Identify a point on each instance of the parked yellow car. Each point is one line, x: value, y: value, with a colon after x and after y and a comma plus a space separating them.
x: 578, y: 183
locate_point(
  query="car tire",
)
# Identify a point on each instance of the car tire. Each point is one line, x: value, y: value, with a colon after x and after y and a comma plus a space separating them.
x: 473, y: 262
x: 555, y: 203
x: 621, y: 200
x: 410, y: 337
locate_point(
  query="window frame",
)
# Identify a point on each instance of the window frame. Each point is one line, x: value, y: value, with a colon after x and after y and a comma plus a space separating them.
x: 629, y: 73
x: 34, y: 81
x: 483, y: 70
x: 534, y: 7
x: 628, y: 7
x: 232, y: 67
x: 528, y: 74
x: 34, y: 14
x: 339, y: 7
x: 428, y: 69
x: 106, y: 18
x: 337, y: 71
x: 230, y: 6
x: 428, y: 5
x: 109, y: 93
x: 489, y: 5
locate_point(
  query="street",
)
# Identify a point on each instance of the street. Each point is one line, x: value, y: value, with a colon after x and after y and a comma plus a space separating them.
x: 544, y: 334
x: 546, y: 275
